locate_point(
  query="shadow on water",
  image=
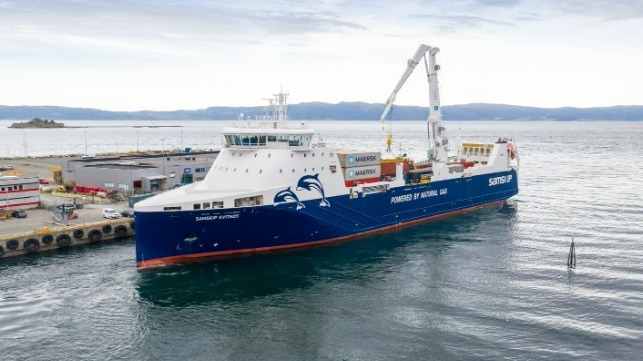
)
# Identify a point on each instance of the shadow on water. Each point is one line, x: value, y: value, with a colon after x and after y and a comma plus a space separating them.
x: 242, y: 279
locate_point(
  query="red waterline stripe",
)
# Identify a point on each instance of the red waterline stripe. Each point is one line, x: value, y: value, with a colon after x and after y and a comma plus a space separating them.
x: 192, y: 257
x: 20, y: 204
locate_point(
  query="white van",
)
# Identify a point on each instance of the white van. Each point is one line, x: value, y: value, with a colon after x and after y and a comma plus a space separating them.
x: 110, y: 213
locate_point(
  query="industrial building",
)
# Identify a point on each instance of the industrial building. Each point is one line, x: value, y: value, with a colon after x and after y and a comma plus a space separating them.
x: 19, y: 192
x: 139, y: 174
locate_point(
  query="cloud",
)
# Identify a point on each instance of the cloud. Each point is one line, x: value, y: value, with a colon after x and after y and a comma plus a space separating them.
x: 455, y: 23
x: 611, y: 10
x: 189, y: 20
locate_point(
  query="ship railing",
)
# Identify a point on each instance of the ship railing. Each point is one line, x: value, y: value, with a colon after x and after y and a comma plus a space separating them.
x: 269, y: 124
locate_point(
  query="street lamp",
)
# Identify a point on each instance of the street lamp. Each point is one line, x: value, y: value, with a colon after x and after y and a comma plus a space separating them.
x: 163, y: 153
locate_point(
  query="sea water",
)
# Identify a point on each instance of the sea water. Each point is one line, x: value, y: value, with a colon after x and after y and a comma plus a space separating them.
x: 491, y: 284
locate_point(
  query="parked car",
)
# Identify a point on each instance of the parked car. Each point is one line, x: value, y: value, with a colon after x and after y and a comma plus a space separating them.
x: 110, y: 213
x: 6, y: 167
x: 18, y: 213
x: 127, y: 213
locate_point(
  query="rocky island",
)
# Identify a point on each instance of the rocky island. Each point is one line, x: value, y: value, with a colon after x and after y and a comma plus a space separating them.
x: 38, y: 123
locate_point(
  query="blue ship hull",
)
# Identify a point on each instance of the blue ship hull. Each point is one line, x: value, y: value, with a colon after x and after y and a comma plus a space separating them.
x: 173, y: 237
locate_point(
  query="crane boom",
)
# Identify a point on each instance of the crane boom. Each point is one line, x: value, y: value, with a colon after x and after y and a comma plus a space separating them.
x: 437, y: 144
x: 411, y: 64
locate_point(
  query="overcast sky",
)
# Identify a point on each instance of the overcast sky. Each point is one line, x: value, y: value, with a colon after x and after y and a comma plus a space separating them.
x: 188, y: 54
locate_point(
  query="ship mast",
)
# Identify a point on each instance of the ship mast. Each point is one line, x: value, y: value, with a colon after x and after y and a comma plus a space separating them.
x: 437, y: 149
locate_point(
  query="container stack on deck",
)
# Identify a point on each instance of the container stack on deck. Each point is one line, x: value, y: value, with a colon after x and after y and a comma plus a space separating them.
x: 359, y: 167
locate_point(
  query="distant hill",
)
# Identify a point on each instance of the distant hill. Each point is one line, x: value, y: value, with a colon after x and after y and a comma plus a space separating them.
x: 340, y: 111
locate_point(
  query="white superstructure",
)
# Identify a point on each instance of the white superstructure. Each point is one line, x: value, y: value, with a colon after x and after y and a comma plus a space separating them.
x: 264, y: 155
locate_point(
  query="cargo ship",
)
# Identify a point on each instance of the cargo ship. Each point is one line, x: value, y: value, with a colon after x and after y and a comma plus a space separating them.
x: 275, y: 186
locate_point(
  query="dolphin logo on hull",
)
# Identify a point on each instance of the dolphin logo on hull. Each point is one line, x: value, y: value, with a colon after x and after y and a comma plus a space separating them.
x: 286, y: 196
x: 310, y: 182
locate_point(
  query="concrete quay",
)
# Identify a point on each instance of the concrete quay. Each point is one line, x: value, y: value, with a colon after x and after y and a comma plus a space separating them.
x: 40, y: 232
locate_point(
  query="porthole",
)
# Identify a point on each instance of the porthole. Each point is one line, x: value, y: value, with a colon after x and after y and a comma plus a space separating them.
x: 293, y: 170
x: 281, y: 171
x: 246, y: 171
x: 260, y: 171
x: 234, y: 170
x: 313, y: 169
x: 305, y: 170
x: 255, y: 155
x: 269, y: 155
x: 313, y: 154
x: 304, y: 155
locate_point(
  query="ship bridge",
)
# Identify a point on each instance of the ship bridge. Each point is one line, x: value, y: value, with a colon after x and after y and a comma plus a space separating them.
x: 268, y: 134
x: 271, y: 130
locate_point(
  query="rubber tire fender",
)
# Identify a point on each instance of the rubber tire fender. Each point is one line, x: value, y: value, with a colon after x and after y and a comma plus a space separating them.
x: 79, y: 233
x: 31, y: 245
x: 107, y: 229
x: 63, y: 240
x: 1, y: 251
x: 47, y: 239
x: 94, y: 235
x: 12, y: 244
x: 120, y: 231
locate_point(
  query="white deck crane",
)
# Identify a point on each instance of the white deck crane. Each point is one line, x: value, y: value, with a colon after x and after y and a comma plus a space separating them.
x: 437, y: 144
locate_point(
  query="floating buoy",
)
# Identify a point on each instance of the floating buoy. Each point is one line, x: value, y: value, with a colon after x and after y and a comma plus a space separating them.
x: 571, y: 258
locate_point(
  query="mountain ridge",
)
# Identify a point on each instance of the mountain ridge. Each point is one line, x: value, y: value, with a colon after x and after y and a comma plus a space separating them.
x: 339, y: 111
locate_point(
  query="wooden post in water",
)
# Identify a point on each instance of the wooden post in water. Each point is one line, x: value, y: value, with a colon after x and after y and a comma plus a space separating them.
x: 571, y: 258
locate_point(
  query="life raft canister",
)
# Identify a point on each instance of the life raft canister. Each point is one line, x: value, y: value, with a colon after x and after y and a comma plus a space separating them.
x: 512, y: 150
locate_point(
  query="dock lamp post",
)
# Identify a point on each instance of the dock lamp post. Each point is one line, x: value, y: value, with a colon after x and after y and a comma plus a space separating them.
x: 163, y: 153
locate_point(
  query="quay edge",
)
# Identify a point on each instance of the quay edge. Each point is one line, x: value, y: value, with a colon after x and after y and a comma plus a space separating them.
x: 48, y: 239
